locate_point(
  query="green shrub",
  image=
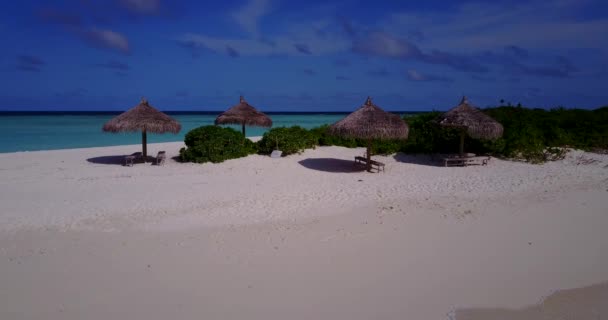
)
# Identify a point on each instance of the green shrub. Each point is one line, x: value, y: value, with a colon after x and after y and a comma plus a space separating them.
x: 426, y: 136
x: 215, y: 144
x: 385, y: 146
x: 534, y: 135
x: 289, y: 140
x: 325, y: 139
x: 379, y: 146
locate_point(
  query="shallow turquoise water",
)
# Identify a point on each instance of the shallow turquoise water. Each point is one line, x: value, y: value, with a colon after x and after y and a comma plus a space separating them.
x: 64, y: 131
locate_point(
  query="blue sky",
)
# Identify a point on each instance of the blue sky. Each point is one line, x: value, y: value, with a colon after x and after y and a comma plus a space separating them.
x: 302, y: 56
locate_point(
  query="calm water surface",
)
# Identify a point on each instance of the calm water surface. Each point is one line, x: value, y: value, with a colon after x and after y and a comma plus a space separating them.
x: 39, y: 131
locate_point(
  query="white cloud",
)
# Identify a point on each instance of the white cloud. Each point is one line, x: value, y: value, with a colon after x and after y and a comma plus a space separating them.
x: 281, y: 45
x: 108, y: 39
x: 142, y: 6
x: 383, y: 44
x: 480, y: 26
x: 414, y: 75
x: 249, y: 15
x: 307, y: 38
x: 470, y: 28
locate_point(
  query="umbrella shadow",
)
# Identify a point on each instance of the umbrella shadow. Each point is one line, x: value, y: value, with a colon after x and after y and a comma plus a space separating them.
x: 579, y: 303
x: 331, y: 165
x: 118, y: 160
x: 115, y: 160
x: 419, y: 159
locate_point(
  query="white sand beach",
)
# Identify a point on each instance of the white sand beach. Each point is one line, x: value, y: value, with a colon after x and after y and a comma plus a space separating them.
x: 302, y: 237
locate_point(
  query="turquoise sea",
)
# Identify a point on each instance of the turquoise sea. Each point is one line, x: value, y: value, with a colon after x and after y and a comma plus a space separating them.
x: 31, y: 131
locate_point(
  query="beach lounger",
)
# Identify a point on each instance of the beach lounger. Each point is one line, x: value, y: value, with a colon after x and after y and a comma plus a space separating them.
x: 465, y: 161
x: 160, y: 158
x: 360, y: 160
x: 451, y: 162
x: 483, y: 161
x: 379, y: 166
x: 130, y: 159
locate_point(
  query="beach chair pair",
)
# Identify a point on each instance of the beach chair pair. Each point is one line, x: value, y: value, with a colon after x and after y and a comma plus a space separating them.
x: 377, y: 165
x: 130, y: 159
x: 137, y: 156
x: 465, y: 160
x: 160, y: 158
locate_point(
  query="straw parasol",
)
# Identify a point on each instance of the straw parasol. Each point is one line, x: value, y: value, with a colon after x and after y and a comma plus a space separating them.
x: 471, y: 121
x: 370, y: 122
x: 244, y: 114
x: 144, y: 118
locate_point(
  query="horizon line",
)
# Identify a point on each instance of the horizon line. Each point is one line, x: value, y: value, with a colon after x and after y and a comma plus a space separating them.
x: 194, y: 111
x: 9, y: 111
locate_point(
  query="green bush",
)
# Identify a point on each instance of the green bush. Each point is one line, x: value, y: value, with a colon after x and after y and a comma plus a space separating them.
x: 426, y: 136
x: 289, y: 140
x: 378, y: 146
x: 534, y: 135
x: 325, y: 139
x: 215, y: 144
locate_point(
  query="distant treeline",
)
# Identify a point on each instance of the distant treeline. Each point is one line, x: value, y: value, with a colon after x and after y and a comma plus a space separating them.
x: 528, y: 131
x: 529, y: 134
x: 534, y: 135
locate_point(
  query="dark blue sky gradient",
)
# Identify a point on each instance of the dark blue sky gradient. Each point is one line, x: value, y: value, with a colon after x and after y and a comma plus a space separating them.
x: 301, y: 55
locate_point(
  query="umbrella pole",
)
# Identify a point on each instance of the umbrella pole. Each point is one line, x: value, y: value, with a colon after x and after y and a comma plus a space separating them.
x: 462, y: 134
x: 244, y: 129
x: 369, y: 155
x: 144, y: 141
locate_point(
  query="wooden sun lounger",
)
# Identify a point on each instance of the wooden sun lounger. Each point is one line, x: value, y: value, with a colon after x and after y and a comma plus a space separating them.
x: 130, y: 159
x: 465, y: 161
x: 483, y: 161
x: 160, y: 158
x: 379, y: 166
x: 451, y: 162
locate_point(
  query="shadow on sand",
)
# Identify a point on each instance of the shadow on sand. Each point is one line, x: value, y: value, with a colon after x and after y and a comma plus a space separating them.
x: 420, y: 159
x: 118, y: 160
x: 331, y: 165
x: 587, y: 303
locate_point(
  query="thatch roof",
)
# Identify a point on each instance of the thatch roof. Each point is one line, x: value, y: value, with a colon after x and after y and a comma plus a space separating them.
x: 243, y: 113
x: 477, y: 124
x: 143, y: 117
x: 370, y: 122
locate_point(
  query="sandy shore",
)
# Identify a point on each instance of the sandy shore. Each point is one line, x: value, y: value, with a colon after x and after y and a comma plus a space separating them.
x: 307, y: 236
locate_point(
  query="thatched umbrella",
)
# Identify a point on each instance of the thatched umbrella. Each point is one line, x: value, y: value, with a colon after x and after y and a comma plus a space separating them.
x: 244, y: 114
x: 471, y: 121
x: 144, y: 118
x: 370, y: 122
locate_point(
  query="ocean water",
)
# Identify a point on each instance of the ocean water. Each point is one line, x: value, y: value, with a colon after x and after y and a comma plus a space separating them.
x: 56, y: 130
